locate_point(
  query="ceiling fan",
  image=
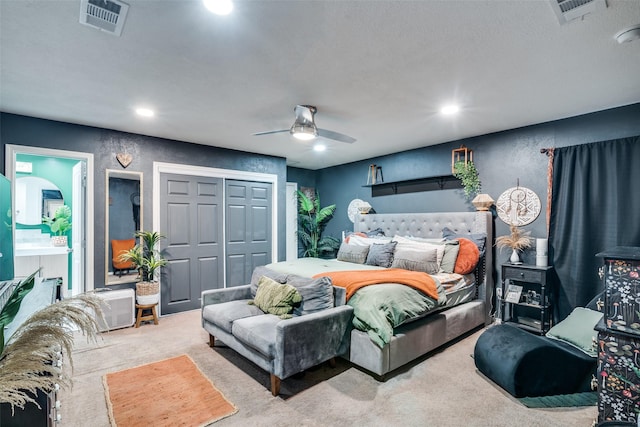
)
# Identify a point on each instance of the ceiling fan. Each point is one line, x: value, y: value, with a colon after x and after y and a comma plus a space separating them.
x: 304, y: 127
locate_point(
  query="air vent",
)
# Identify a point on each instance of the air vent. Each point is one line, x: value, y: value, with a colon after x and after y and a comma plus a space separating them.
x: 105, y: 15
x: 568, y: 10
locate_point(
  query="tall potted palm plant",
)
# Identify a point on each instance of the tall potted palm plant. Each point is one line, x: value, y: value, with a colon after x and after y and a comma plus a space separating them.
x: 148, y: 261
x: 312, y: 220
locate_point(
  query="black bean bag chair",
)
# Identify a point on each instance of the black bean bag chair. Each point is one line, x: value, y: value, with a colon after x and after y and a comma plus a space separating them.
x: 528, y: 365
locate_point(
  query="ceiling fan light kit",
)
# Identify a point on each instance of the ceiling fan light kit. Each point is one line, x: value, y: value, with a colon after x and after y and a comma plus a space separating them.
x: 304, y: 127
x: 303, y: 132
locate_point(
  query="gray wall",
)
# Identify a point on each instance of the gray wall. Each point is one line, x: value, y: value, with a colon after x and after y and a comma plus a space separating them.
x: 104, y: 144
x: 502, y: 159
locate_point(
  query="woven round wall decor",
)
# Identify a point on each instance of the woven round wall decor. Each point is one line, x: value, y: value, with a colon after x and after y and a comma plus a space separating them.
x: 518, y: 206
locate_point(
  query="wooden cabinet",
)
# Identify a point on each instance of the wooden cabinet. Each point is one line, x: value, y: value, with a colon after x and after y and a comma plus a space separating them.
x: 525, y: 296
x: 618, y: 372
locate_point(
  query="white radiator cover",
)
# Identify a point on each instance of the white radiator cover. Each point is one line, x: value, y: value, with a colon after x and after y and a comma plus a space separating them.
x: 118, y: 308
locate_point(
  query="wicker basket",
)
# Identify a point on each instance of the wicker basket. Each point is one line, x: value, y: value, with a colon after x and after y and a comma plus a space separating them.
x: 147, y: 288
x: 147, y: 293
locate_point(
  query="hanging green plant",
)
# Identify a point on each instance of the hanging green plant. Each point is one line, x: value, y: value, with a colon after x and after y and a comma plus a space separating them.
x: 468, y: 174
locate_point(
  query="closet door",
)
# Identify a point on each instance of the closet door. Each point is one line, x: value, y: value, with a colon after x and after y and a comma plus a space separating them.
x: 191, y: 219
x: 248, y: 229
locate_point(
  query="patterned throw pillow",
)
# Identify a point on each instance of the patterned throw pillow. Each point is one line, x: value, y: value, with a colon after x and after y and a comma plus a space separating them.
x: 381, y: 254
x: 276, y: 298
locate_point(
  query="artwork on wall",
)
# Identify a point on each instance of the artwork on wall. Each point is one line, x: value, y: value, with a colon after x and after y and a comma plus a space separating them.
x: 518, y: 206
x: 124, y: 159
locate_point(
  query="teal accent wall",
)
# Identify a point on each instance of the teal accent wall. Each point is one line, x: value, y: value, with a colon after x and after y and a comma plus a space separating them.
x: 58, y: 171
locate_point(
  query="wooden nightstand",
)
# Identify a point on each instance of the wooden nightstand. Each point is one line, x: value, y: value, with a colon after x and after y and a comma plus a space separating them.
x: 525, y: 297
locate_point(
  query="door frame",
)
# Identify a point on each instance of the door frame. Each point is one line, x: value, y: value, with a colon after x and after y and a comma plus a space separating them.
x: 292, y: 221
x: 10, y: 161
x: 182, y: 169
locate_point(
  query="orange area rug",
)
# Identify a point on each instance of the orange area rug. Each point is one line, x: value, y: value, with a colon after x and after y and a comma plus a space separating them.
x: 172, y: 392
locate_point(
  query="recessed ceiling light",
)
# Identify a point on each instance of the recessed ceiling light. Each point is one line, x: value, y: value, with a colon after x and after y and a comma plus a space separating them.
x: 450, y: 109
x: 219, y: 7
x: 319, y: 147
x: 144, y: 112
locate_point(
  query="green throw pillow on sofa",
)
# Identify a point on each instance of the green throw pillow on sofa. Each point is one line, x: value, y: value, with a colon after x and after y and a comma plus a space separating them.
x: 276, y: 298
x: 578, y: 330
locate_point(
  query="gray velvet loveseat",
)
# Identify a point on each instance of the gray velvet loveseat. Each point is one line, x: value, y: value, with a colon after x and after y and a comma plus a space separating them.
x: 317, y: 331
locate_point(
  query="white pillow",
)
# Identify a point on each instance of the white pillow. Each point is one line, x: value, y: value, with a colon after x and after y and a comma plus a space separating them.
x: 367, y: 241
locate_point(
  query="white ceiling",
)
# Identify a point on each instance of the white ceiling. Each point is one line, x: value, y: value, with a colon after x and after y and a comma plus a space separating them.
x: 376, y: 70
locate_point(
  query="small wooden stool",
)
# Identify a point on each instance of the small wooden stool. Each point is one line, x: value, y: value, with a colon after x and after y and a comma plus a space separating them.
x: 141, y: 318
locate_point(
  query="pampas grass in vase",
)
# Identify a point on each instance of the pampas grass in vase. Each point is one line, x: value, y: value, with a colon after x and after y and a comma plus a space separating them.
x: 28, y: 359
x: 517, y: 241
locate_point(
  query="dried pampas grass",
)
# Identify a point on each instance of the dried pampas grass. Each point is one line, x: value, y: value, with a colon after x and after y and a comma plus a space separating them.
x: 29, y: 360
x: 518, y: 239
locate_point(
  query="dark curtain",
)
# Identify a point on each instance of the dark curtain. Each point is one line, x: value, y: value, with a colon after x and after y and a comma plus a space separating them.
x: 595, y: 206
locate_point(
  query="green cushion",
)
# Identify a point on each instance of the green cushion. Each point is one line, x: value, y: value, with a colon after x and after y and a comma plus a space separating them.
x: 578, y: 330
x: 276, y: 298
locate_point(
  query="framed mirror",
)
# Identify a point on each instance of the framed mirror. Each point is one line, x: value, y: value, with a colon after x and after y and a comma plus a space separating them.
x: 123, y: 217
x: 36, y: 197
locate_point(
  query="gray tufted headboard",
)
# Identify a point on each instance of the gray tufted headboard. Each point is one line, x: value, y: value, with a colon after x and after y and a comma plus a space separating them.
x: 430, y: 225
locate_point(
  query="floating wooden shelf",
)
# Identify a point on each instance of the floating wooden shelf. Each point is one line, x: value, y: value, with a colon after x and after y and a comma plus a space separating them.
x: 415, y: 185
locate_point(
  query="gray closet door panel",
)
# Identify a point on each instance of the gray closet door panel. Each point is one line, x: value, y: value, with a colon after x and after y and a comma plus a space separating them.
x: 260, y: 224
x: 178, y: 269
x: 190, y: 217
x: 177, y: 230
x: 208, y: 226
x: 248, y: 229
x: 236, y: 223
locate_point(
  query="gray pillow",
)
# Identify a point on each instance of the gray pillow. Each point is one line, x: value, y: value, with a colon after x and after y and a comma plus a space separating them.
x: 258, y: 272
x: 353, y: 253
x: 479, y: 239
x: 416, y: 260
x: 381, y: 254
x: 451, y: 249
x: 317, y: 294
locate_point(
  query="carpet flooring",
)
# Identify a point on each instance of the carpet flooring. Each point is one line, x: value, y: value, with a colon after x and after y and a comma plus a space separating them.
x: 168, y: 393
x: 443, y: 389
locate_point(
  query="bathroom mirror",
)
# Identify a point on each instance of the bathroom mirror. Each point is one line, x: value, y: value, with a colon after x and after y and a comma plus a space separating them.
x: 36, y: 197
x: 123, y: 217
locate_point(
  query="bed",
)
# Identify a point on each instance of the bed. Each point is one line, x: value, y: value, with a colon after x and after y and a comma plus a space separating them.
x: 466, y: 306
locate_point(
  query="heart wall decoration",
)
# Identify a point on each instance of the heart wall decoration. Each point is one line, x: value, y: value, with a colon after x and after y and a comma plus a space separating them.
x: 124, y: 159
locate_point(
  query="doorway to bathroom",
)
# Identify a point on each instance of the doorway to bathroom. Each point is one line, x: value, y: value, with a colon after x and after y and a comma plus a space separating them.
x: 43, y: 180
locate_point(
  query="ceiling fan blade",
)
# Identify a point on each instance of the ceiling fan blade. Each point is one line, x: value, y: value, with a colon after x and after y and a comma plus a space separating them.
x: 336, y: 136
x: 271, y: 131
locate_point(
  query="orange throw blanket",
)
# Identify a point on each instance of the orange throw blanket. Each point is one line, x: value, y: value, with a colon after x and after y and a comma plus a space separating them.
x: 356, y: 279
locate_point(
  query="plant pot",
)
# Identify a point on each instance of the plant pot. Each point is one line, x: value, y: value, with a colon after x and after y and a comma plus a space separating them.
x: 59, y: 240
x: 147, y: 293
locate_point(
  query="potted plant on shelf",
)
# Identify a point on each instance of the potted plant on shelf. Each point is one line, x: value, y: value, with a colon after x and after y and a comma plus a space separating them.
x: 468, y: 174
x: 517, y: 241
x: 148, y: 260
x: 312, y: 221
x: 59, y: 225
